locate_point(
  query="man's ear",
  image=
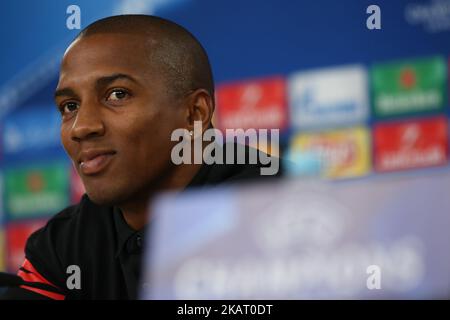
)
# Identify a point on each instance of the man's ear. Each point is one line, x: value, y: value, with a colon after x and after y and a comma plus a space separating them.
x: 200, y: 107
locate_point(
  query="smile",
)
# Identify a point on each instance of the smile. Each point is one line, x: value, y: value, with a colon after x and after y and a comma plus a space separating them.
x: 95, y: 163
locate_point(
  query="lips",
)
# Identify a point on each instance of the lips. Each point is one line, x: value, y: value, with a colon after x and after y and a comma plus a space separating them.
x: 94, y: 161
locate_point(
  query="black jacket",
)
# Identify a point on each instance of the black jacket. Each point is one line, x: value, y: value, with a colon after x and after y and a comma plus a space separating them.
x: 98, y: 241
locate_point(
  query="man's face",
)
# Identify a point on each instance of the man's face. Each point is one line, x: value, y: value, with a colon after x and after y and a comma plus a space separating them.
x: 117, y: 116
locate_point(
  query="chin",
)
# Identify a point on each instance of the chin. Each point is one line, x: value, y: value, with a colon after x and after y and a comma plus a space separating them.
x: 103, y: 197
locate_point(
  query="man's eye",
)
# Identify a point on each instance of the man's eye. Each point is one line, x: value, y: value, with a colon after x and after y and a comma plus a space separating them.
x: 69, y: 107
x: 117, y: 95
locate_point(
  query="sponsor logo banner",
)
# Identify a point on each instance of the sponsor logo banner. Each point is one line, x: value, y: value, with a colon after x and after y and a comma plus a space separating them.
x: 342, y: 153
x: 258, y: 104
x: 329, y: 97
x: 36, y: 190
x: 408, y: 87
x: 16, y: 238
x: 410, y: 144
x: 2, y: 212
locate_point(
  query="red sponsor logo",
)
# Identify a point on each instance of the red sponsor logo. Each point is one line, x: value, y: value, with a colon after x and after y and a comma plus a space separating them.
x: 17, y: 234
x: 259, y: 104
x: 412, y: 144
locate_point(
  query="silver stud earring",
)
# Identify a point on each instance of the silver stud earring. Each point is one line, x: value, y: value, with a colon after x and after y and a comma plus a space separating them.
x: 191, y: 133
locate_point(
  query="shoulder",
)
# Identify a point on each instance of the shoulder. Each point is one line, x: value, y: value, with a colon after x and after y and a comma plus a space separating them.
x: 72, y: 219
x: 68, y: 235
x: 240, y: 163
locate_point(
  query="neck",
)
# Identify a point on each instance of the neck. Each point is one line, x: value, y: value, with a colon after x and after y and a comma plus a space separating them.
x: 135, y: 214
x: 136, y: 211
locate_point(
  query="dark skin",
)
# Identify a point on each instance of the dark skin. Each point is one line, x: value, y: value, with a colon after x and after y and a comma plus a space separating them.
x: 114, y: 101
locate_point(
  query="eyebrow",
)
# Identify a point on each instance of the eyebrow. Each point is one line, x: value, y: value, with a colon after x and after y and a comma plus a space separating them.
x: 104, y: 81
x: 65, y: 92
x: 100, y: 82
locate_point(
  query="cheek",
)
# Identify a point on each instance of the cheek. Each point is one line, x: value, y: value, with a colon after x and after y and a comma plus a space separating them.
x: 134, y: 136
x: 147, y: 140
x: 150, y: 127
x: 66, y: 140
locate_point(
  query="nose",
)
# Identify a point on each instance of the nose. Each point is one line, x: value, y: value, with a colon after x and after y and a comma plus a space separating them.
x: 88, y: 123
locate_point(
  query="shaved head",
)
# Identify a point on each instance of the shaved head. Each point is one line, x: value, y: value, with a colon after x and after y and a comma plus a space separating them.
x: 173, y: 52
x: 126, y: 83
